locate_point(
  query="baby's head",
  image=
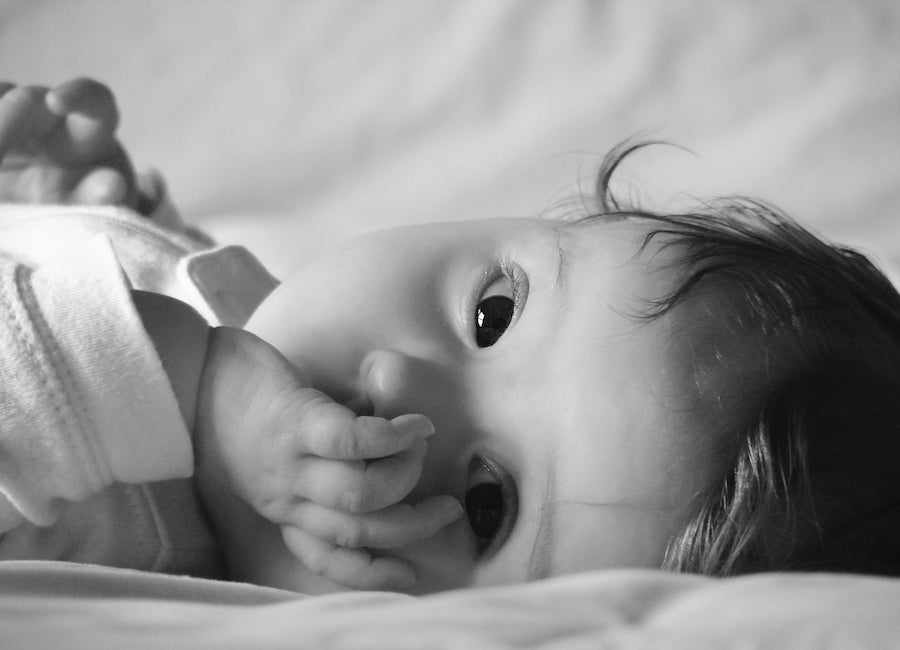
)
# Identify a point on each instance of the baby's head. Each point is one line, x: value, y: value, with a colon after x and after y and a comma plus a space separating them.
x: 709, y: 392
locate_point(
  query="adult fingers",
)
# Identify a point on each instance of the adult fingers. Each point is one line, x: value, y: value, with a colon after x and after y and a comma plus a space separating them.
x: 103, y: 186
x: 83, y: 95
x: 91, y: 114
x: 23, y: 117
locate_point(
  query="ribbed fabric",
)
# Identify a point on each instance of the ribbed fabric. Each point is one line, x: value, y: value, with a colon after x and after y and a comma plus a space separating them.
x: 94, y: 455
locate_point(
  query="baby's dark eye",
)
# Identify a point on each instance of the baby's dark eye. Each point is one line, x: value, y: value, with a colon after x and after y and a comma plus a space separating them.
x: 495, y: 311
x: 491, y: 504
x: 492, y: 316
x: 484, y: 508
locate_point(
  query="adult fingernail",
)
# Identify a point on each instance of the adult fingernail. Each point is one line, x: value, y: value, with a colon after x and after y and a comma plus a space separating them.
x: 101, y: 187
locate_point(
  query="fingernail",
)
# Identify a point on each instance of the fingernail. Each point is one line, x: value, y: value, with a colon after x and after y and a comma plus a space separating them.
x: 451, y: 510
x: 414, y: 423
x: 102, y: 187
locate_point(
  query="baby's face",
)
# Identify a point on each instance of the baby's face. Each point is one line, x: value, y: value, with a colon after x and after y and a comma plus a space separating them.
x: 556, y: 412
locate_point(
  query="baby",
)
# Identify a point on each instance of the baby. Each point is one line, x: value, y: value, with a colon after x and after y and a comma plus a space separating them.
x: 496, y: 401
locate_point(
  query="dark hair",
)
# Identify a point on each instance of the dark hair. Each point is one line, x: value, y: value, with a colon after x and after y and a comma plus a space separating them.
x: 811, y: 439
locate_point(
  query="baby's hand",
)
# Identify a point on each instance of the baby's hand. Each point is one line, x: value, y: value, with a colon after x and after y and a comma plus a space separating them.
x: 333, y: 481
x: 58, y: 145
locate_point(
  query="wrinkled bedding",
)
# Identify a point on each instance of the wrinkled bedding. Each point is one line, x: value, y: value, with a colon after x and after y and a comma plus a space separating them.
x: 287, y: 126
x: 43, y: 605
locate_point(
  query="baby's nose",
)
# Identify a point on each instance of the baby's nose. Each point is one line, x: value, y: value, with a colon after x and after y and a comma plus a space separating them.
x: 388, y: 380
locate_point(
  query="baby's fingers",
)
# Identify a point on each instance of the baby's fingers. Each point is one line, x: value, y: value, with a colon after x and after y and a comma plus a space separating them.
x: 360, y: 486
x: 393, y: 527
x: 330, y: 430
x: 355, y: 568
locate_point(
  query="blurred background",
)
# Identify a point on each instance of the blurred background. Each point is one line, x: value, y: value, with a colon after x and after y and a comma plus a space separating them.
x: 286, y: 125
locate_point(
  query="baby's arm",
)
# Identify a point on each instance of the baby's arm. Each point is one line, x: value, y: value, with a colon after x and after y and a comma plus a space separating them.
x: 58, y: 145
x: 332, y: 481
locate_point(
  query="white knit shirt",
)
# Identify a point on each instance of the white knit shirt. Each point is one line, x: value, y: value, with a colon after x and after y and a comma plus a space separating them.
x: 95, y: 460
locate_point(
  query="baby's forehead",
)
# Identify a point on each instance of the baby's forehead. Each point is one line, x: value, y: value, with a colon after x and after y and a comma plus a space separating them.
x: 694, y: 325
x: 633, y: 249
x: 637, y: 236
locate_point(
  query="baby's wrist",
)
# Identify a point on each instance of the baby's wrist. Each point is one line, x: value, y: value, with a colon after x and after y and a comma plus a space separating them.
x: 180, y: 336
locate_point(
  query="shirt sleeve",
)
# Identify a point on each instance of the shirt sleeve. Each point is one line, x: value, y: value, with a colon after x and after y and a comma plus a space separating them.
x: 85, y: 400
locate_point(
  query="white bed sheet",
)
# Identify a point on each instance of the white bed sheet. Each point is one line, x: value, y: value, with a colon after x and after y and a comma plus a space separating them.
x: 52, y: 605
